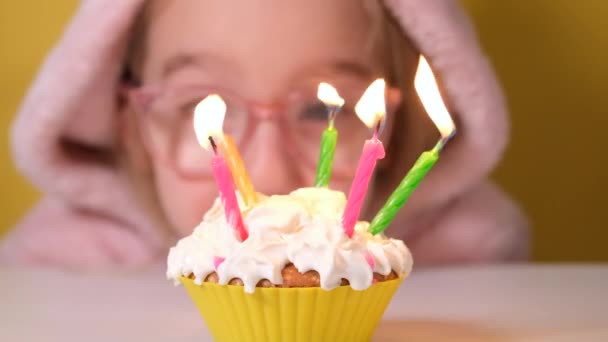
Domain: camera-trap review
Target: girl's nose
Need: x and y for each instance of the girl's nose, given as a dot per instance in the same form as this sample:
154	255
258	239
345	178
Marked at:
271	167
266	111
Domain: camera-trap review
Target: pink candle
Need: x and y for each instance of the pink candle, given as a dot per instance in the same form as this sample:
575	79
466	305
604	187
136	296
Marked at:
228	196
208	120
372	151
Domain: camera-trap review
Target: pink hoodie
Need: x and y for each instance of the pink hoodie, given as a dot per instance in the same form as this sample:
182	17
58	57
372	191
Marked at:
89	218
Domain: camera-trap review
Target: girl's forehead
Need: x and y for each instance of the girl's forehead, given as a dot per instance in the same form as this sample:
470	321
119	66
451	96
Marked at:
258	38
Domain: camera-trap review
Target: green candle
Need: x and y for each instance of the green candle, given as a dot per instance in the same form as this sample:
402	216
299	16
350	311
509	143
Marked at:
405	189
326	155
332	100
429	95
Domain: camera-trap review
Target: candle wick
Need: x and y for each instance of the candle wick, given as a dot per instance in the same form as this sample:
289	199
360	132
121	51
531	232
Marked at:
333	112
439	146
213	145
332	118
443	141
452	134
377	129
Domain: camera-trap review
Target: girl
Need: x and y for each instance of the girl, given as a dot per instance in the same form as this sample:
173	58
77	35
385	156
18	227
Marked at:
106	130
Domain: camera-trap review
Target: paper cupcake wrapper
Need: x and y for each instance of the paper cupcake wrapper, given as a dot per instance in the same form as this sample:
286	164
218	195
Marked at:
291	314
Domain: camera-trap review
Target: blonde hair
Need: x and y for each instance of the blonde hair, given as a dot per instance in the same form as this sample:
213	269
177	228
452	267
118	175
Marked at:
398	57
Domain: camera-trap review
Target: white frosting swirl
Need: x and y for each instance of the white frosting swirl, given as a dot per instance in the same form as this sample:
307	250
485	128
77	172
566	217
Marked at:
303	228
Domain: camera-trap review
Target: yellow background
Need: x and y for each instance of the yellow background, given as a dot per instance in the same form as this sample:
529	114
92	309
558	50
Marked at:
552	58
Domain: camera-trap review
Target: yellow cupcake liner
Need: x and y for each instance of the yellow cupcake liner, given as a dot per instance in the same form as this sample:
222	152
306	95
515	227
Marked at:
291	314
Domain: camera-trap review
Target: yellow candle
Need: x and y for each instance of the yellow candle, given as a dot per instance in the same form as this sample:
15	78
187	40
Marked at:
237	167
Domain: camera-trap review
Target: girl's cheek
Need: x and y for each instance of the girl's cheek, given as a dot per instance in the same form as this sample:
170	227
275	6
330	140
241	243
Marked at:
184	201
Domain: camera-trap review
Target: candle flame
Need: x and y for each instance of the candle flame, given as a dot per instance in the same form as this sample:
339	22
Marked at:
371	108
329	95
426	87
208	119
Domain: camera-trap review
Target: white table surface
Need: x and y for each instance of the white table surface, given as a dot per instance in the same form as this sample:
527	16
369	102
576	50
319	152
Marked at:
492	303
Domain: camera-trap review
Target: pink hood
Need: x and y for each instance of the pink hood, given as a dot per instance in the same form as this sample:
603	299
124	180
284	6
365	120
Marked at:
74	97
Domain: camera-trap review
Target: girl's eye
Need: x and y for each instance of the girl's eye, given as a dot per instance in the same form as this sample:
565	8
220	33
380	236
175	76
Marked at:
314	111
187	109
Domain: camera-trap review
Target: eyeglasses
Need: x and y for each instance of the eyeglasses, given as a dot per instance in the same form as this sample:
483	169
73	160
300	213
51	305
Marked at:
166	118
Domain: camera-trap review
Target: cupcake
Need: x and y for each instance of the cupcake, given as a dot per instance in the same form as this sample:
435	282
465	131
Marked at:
297	276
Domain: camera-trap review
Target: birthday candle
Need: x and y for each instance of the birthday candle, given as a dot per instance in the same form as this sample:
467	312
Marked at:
231	206
427	90
208	120
398	198
329	96
372	151
326	156
371	110
237	168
